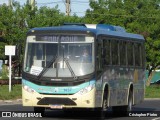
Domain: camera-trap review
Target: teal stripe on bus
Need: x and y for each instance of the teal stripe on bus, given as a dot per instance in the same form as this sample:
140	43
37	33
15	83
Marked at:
57	90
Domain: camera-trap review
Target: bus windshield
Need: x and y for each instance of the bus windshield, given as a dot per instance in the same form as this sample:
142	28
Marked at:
59	55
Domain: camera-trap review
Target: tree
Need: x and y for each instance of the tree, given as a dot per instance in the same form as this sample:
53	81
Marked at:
138	16
16	21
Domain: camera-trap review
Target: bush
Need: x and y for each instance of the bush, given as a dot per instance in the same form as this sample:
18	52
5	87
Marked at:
4	72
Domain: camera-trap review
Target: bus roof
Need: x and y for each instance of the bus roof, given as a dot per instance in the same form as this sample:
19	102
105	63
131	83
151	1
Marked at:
98	29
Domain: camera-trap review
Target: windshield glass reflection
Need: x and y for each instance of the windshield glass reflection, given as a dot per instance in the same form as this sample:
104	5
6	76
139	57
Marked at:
59	59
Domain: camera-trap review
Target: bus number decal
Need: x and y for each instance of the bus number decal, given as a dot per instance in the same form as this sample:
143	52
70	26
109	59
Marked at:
66	90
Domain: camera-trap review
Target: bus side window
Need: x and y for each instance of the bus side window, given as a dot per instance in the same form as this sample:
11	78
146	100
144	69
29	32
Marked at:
99	56
137	51
122	47
106	49
114	52
130	53
143	55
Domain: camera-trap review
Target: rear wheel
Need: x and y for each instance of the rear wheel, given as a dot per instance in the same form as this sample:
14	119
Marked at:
128	108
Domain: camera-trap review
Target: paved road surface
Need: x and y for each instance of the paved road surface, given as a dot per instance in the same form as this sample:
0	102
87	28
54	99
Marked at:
151	107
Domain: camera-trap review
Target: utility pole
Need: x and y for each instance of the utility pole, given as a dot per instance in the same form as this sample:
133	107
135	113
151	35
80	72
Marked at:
10	3
32	3
68	8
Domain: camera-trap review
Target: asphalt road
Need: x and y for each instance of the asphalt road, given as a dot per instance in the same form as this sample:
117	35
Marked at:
147	108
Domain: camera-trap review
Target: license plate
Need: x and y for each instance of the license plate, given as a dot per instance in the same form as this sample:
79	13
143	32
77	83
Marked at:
56	106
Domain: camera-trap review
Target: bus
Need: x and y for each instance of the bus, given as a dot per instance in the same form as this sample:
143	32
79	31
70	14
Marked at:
83	66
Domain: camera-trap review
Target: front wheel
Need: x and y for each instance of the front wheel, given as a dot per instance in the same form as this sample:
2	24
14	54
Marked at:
104	107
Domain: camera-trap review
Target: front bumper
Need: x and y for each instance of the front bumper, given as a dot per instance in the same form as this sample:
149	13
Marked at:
76	100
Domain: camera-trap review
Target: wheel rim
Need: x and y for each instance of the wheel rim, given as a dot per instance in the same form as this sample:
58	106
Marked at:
104	108
104	105
130	104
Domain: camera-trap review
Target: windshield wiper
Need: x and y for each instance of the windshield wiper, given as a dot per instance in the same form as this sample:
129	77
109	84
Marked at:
53	60
70	68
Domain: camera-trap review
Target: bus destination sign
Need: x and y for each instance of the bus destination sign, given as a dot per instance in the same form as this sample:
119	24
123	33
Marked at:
61	38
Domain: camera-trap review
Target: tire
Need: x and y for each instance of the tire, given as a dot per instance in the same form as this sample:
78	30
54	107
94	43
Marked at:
130	102
104	107
39	110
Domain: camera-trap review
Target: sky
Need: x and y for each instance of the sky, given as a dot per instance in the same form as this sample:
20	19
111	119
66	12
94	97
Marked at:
77	6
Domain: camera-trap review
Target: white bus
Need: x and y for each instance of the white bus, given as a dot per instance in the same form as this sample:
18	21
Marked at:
83	66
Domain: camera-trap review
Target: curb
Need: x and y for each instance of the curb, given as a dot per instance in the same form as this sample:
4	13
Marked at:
151	98
10	102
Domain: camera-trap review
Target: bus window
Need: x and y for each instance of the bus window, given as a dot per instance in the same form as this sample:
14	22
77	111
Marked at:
39	52
99	57
143	55
107	52
122	47
114	49
130	53
137	51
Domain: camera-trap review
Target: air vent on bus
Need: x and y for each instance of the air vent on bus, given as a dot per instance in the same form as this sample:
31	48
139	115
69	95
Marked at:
74	24
98	26
110	28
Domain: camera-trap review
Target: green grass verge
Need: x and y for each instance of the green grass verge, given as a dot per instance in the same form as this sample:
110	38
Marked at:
16	92
152	91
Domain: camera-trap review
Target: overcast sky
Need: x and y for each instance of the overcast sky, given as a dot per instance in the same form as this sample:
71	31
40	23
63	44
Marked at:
77	6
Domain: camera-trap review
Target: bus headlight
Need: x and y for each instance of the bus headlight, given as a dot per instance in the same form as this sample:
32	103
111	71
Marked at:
86	89
28	89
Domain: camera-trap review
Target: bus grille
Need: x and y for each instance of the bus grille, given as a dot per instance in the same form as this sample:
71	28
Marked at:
60	101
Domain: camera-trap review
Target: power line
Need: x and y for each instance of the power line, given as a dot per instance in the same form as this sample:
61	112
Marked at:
113	15
64	2
80	2
68	4
75	2
50	2
125	16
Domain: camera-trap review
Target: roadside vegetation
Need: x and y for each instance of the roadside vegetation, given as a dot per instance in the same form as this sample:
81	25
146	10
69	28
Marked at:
16	92
4	73
152	91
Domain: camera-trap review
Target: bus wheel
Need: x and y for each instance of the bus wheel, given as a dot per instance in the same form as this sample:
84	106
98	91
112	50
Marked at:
130	103
104	107
40	110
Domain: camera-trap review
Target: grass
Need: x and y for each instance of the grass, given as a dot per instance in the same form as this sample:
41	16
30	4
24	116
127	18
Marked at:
16	92
152	91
